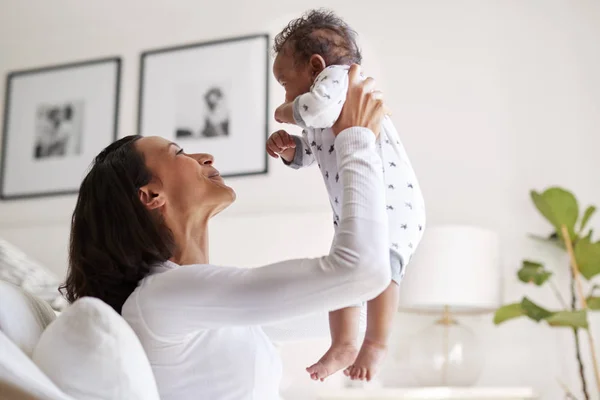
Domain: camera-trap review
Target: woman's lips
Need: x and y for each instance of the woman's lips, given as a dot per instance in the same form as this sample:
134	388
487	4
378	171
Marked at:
216	176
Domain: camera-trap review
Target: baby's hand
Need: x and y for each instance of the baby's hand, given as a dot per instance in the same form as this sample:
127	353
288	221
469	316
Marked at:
284	114
281	144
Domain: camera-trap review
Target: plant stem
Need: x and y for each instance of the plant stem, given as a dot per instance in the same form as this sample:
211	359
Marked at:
574	268
577	279
568	394
586	395
558	295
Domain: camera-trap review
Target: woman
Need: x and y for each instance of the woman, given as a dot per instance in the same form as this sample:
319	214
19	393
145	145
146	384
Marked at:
139	242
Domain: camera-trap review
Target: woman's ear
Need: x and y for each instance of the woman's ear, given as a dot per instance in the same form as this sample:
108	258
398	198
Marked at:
317	64
151	198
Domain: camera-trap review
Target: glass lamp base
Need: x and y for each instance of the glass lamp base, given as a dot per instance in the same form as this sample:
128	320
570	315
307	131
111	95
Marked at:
446	354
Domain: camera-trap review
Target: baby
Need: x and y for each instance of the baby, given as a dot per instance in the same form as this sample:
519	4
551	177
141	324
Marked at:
313	54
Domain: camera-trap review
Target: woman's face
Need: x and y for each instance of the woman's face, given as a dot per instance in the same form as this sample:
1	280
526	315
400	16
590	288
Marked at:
185	183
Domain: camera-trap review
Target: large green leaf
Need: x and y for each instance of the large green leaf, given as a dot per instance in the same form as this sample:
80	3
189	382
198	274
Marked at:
593	303
586	217
573	319
533	272
507	312
559	207
534	311
587	255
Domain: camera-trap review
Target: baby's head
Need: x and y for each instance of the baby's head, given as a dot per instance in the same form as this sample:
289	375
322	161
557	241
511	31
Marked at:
308	45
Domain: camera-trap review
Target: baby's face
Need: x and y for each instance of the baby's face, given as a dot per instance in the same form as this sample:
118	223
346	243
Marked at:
296	78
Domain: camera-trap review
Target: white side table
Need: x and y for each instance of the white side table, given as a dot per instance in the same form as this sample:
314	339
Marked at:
441	393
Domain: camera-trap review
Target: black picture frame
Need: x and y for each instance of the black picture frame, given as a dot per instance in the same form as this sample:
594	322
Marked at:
11	77
147	54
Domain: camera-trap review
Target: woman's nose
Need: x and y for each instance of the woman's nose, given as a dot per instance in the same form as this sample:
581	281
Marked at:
205	159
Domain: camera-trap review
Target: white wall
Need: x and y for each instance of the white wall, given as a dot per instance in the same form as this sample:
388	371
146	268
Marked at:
493	98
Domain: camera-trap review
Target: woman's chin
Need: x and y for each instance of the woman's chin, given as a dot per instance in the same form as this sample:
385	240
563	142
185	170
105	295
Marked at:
232	194
226	202
229	196
228	189
222	194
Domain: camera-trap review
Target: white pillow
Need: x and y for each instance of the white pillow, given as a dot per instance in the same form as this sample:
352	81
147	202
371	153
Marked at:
18	268
23	317
21	379
90	352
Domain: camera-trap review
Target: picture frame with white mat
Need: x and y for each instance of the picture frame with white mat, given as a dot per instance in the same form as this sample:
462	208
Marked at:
200	96
56	119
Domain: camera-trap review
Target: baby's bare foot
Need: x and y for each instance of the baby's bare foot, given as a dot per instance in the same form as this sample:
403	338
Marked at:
366	365
337	357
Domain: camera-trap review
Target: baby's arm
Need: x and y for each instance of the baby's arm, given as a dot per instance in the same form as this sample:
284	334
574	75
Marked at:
284	114
293	150
303	157
321	107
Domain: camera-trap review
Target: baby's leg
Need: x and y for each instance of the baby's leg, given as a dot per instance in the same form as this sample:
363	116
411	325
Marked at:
405	210
343	325
380	318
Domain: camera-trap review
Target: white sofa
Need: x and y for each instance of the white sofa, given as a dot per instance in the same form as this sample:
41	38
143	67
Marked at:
85	352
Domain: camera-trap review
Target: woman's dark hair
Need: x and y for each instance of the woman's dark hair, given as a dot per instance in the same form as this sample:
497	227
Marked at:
320	32
115	239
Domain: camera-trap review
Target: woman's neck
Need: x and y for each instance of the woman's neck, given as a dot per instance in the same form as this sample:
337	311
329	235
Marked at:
191	240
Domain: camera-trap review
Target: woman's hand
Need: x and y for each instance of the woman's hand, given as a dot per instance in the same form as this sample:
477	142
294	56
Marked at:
364	105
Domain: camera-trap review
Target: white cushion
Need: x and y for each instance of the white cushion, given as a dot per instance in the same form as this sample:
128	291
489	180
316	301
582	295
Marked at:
18	268
90	352
23	317
21	379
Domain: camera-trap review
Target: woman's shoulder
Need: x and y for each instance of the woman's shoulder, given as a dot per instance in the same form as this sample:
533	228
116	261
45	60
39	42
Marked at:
169	276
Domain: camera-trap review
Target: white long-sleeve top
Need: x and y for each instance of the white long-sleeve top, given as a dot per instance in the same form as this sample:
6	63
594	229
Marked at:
205	327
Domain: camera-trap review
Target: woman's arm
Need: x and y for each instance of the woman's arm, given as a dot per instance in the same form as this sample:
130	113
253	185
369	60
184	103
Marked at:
356	269
313	326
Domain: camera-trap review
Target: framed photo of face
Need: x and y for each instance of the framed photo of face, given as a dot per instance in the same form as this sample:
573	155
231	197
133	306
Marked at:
56	120
211	98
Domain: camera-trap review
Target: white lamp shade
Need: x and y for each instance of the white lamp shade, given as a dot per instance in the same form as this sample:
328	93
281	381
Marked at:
454	266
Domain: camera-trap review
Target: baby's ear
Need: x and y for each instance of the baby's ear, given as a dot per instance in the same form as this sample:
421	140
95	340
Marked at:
317	64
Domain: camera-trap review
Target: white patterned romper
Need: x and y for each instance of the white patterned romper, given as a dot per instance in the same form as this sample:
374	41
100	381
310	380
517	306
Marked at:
316	111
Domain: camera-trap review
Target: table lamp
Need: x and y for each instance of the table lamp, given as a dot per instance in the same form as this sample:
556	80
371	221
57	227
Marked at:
455	271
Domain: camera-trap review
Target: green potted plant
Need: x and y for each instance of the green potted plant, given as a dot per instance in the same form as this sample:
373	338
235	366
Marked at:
570	233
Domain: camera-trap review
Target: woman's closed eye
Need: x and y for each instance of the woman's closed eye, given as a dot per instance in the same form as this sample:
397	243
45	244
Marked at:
180	151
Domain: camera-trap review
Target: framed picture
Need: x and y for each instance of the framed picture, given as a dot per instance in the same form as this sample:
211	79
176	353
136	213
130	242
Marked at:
56	120
210	98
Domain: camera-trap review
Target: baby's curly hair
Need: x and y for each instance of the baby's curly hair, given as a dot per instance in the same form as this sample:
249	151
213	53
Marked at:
319	32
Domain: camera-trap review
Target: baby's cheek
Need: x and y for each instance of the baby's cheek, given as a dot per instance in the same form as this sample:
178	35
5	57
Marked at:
291	93
301	85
